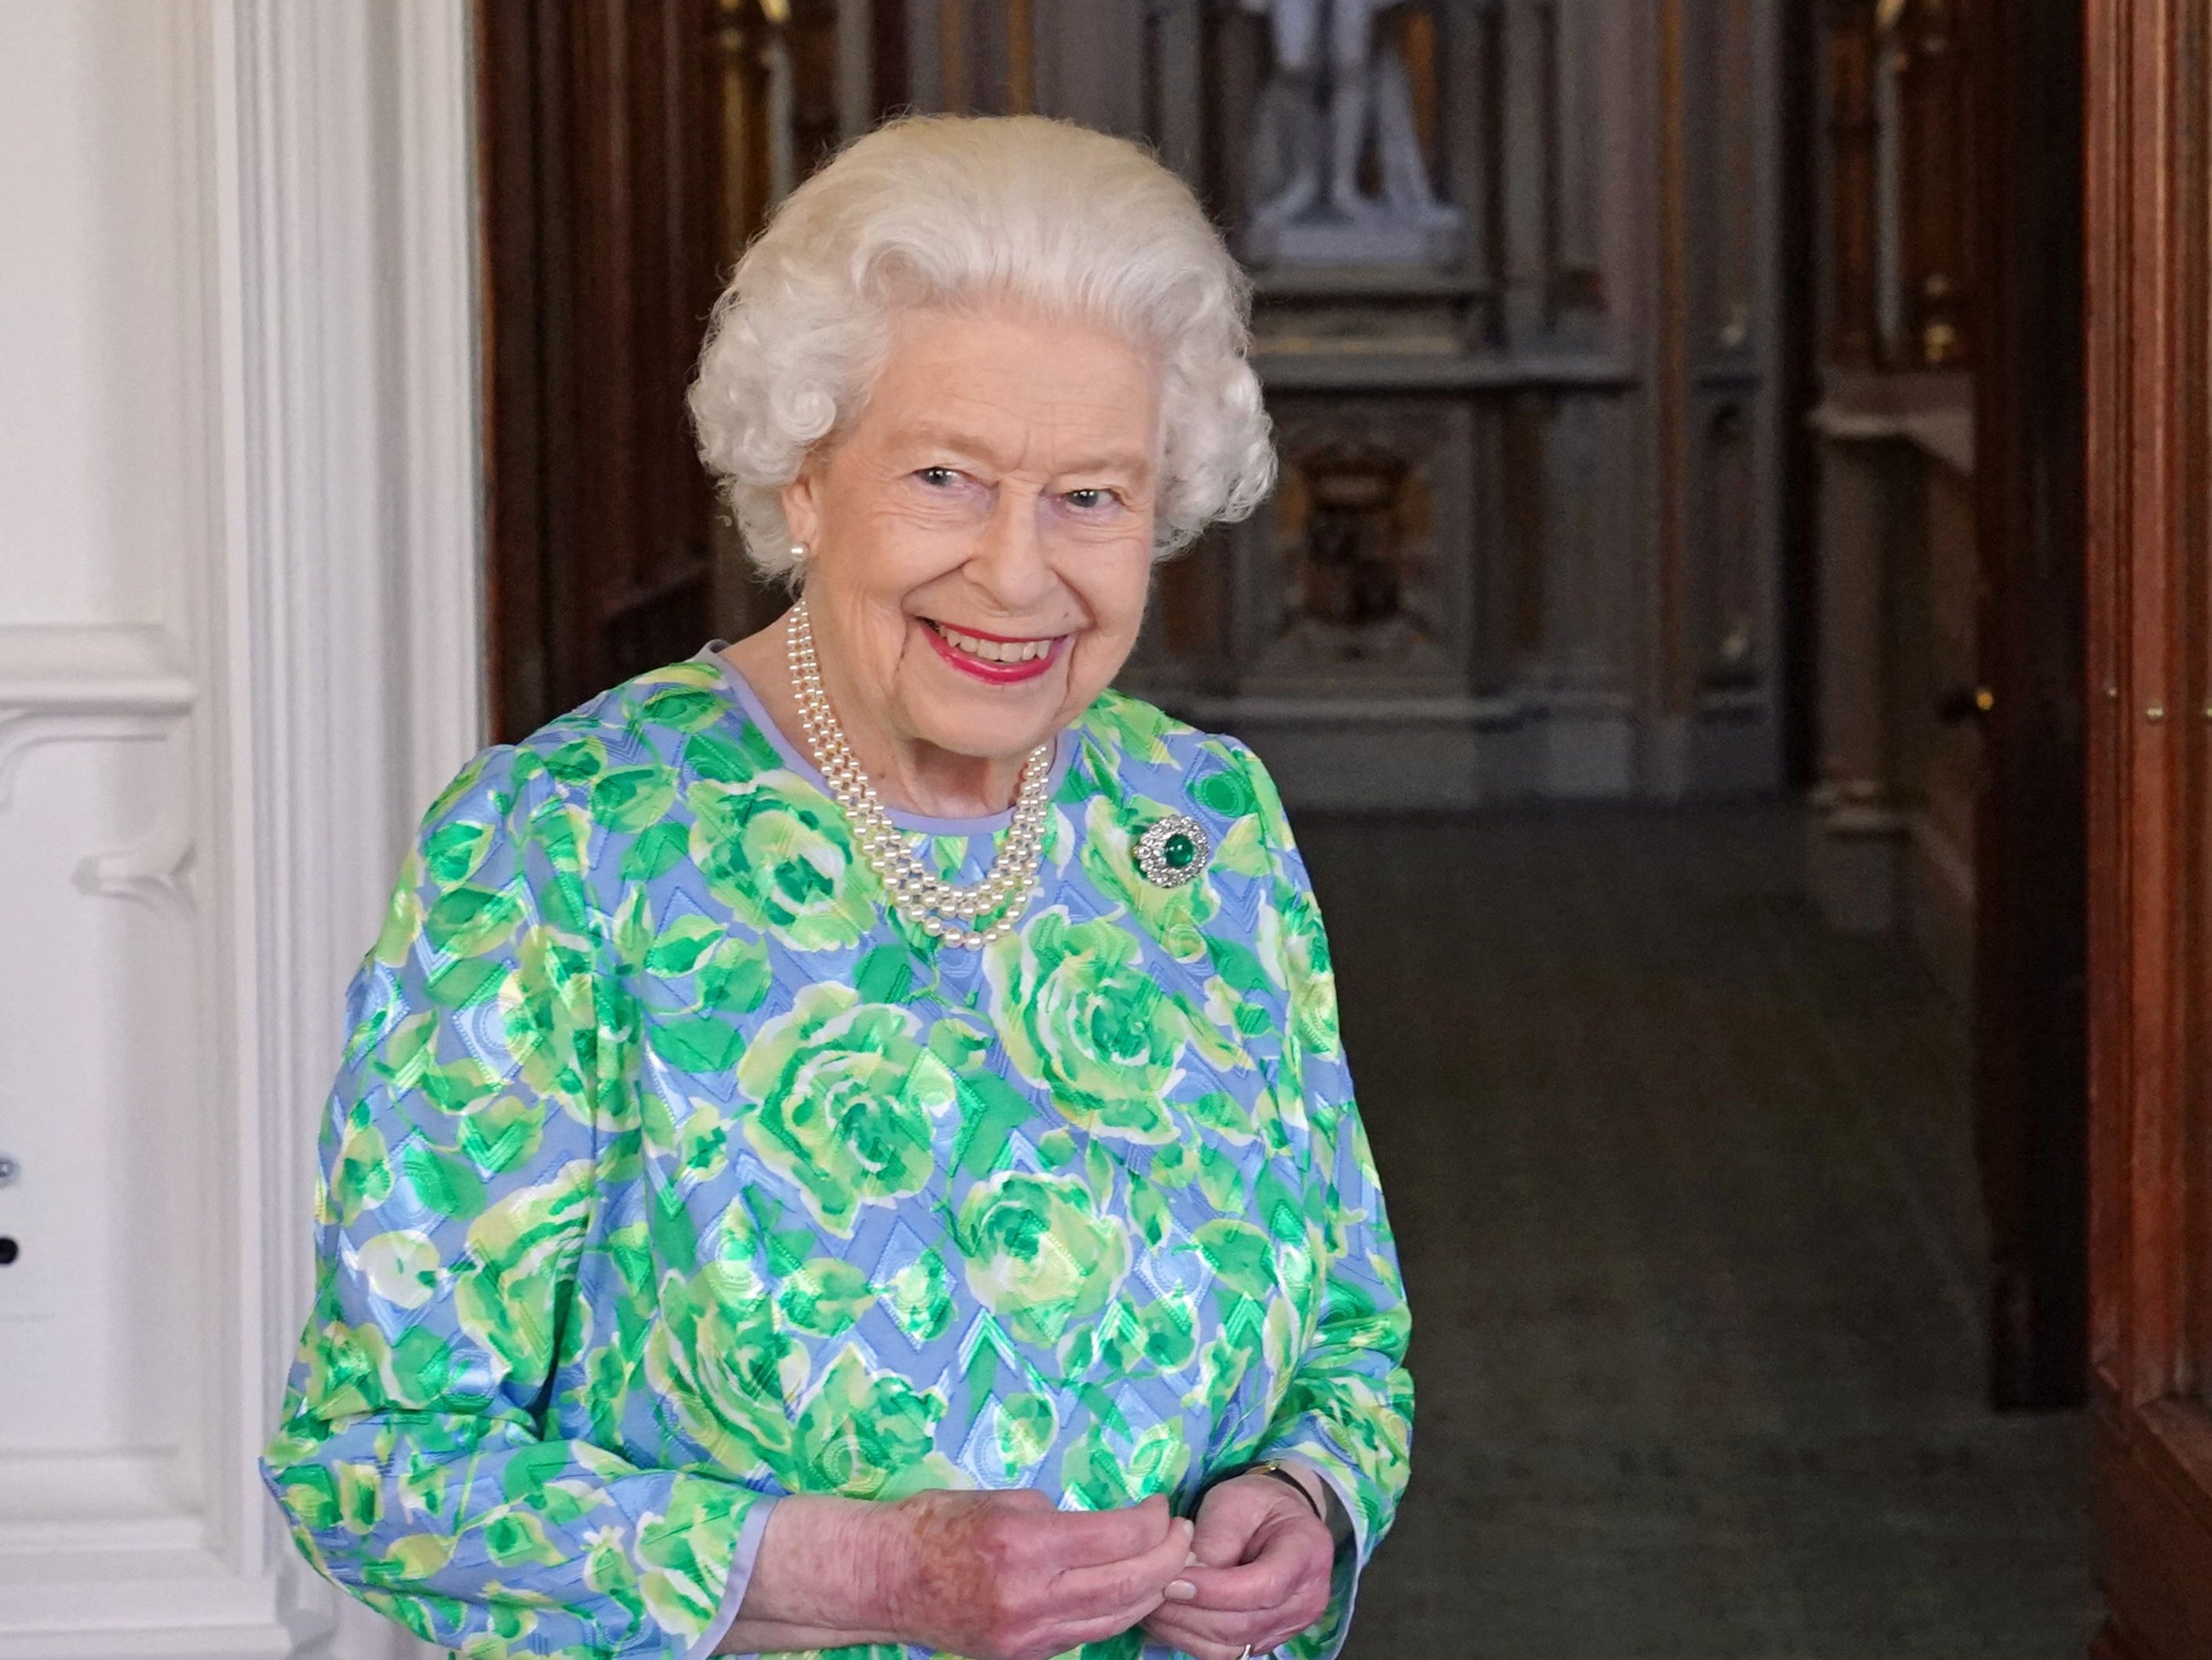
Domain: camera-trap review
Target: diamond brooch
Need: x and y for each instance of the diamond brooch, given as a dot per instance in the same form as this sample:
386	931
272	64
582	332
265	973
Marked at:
1174	851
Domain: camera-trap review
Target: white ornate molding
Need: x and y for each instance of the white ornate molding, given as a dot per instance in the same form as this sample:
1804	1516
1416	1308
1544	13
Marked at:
155	872
349	671
65	666
323	680
62	683
441	548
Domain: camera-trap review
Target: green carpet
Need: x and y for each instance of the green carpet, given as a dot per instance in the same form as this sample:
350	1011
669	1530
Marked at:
1684	1194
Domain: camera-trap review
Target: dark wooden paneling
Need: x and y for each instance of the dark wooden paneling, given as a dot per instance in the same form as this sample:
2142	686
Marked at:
2030	996
600	137
2149	446
513	367
2155	1521
1798	321
1854	334
887	56
1926	49
1937	42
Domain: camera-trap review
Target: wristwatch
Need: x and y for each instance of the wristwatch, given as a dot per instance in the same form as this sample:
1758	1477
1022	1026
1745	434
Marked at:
1332	1516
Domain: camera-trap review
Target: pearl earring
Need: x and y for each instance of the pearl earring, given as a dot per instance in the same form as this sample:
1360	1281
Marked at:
798	552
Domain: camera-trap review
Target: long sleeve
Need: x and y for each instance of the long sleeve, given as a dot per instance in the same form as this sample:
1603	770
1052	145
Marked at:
1348	1409
471	1138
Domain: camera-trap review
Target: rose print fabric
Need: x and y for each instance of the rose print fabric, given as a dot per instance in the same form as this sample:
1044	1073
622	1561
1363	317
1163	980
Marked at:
668	1171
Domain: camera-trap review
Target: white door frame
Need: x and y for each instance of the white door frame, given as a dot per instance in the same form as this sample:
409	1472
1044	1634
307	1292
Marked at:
321	677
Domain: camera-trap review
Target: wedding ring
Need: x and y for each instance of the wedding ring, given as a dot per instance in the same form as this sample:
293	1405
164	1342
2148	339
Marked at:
1246	1655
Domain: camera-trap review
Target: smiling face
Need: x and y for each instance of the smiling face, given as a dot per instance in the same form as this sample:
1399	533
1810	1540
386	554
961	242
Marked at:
979	539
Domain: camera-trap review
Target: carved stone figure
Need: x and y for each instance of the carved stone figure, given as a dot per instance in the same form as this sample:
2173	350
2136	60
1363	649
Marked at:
1336	88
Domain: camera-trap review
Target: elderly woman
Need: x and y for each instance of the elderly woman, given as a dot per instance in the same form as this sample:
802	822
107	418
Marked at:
843	1140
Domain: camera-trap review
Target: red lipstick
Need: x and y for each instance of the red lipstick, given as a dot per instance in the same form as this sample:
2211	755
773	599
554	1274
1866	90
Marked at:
981	669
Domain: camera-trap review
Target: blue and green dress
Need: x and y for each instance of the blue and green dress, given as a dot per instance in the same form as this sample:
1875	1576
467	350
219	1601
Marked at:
670	1171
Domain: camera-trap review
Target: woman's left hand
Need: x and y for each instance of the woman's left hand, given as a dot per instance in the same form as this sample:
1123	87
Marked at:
1260	1576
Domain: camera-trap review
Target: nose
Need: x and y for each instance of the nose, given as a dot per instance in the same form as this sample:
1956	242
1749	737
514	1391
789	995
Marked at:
1008	563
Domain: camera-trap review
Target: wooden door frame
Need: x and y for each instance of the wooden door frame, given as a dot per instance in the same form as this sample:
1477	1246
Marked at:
600	149
2149	274
2030	999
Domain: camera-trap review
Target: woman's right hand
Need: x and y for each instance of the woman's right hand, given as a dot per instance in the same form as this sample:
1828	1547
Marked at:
1005	1576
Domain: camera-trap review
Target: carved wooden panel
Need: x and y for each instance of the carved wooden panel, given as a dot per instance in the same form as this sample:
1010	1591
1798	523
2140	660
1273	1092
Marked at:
1731	603
1558	116
1938	142
1720	403
1575	113
1526	482
1725	149
1901	144
1473	138
1356	575
1853	132
1511	631
1596	620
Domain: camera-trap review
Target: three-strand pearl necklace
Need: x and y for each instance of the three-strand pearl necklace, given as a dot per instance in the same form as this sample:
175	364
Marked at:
969	916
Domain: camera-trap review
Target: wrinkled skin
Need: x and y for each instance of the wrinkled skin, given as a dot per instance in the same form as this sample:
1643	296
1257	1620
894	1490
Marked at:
995	1575
1005	1576
1000	478
1262	1573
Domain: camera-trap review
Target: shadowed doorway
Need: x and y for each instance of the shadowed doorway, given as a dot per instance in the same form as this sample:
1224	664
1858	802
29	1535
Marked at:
1668	636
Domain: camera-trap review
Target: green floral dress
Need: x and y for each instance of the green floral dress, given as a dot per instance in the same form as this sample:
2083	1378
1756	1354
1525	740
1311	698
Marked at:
668	1171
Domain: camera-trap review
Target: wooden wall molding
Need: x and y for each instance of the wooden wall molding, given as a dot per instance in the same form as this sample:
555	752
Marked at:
2146	450
2150	693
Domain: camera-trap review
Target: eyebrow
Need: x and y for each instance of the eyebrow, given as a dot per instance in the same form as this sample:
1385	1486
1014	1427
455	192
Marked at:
960	445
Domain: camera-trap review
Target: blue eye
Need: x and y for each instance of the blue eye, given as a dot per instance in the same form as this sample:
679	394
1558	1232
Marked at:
938	478
1087	501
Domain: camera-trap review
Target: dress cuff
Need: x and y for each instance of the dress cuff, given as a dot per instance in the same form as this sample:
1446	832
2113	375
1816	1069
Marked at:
741	1578
1343	1493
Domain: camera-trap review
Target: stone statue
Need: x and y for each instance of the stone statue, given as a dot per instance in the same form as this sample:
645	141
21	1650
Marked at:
1315	123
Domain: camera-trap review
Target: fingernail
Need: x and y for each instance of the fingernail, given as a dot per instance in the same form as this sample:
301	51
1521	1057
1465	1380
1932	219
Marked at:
1191	1561
1180	1590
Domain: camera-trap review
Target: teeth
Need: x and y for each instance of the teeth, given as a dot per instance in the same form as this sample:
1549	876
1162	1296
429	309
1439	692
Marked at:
995	651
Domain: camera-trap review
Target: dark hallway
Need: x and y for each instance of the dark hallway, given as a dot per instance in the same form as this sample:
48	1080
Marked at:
1683	1186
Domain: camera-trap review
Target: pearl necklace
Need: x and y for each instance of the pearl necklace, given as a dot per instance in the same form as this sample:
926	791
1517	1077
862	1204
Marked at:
969	916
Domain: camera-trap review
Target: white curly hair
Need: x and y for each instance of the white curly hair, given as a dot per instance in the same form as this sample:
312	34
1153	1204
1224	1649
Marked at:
953	210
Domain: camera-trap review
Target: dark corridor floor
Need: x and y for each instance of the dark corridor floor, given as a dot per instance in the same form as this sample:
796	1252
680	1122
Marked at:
1682	1185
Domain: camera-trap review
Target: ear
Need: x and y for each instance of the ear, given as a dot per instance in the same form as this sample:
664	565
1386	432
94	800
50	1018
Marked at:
802	504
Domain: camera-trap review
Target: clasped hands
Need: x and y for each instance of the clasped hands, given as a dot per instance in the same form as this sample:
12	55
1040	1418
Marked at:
1008	1576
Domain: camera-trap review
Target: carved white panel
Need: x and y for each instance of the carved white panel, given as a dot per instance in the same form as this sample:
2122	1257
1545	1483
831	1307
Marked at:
238	628
91	717
95	131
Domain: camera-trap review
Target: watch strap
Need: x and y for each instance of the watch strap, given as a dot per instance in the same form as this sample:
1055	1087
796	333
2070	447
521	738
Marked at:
1333	1515
1270	1467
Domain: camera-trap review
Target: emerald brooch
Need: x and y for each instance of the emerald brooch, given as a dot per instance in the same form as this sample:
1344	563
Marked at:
1174	851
